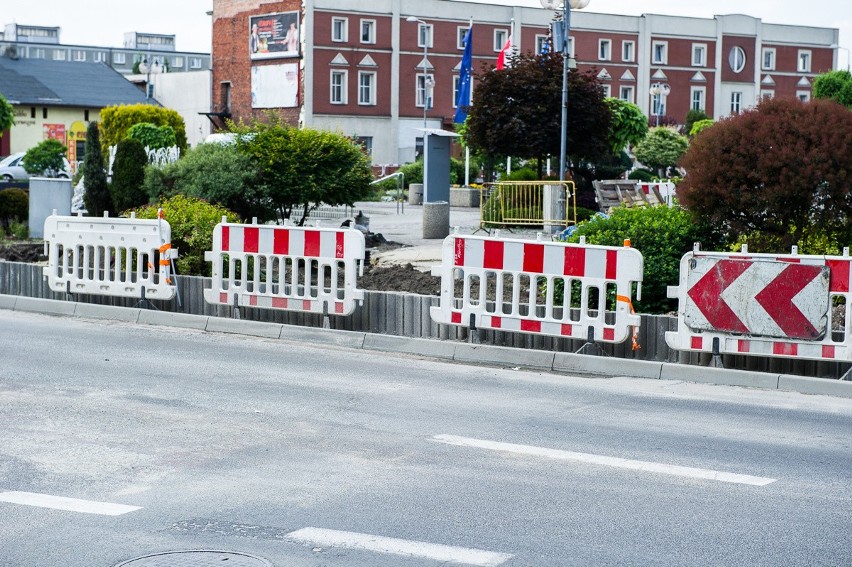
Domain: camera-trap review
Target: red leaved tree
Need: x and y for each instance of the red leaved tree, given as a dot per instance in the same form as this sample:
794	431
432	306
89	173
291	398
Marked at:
780	173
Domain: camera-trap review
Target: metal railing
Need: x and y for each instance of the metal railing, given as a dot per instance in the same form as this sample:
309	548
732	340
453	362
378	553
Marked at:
527	203
400	185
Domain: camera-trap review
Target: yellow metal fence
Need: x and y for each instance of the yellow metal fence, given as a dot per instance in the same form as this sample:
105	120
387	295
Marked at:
527	203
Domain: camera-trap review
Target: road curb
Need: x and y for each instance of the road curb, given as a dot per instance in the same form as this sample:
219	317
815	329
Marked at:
446	350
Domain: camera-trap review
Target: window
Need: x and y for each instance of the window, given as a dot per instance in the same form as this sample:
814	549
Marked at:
195	63
226	97
737	59
460	33
366	143
697	97
542	44
340	29
59	55
177	62
368	31
767	94
626	93
604	49
367	87
658	105
607	90
804	61
699	54
768	62
78	55
736	102
803	96
424	35
44	112
628	50
424	90
99	57
118	58
456	83
500	37
660	53
338	87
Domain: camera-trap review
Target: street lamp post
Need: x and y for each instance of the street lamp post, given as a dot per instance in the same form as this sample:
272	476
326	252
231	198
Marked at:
564	29
428	82
659	92
148	68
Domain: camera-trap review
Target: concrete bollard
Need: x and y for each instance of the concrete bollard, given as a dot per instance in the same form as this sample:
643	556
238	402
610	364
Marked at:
415	194
436	220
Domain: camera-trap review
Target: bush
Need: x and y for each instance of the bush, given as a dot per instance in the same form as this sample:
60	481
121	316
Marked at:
128	175
662	234
692	117
217	173
152	136
700	126
117	120
14	206
661	149
642	175
19	230
192	221
523	174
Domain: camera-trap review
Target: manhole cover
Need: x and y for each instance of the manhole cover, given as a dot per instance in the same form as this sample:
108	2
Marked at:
197	558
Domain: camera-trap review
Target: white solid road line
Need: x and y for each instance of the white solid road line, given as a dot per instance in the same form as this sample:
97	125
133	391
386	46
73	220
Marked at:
67	504
646	466
380	544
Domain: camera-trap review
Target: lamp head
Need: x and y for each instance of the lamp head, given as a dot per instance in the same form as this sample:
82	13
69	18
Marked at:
412	19
557	4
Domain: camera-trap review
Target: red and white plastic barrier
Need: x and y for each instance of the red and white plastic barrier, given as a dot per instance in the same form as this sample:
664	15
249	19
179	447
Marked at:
291	268
109	256
786	305
665	189
522	276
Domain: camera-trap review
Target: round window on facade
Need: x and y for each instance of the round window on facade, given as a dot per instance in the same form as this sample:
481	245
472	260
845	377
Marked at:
737	59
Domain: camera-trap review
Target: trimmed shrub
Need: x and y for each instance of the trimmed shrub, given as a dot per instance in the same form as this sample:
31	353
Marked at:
45	158
117	120
522	174
192	221
642	175
152	136
128	175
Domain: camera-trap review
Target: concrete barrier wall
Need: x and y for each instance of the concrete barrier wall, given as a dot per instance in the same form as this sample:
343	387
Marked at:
407	315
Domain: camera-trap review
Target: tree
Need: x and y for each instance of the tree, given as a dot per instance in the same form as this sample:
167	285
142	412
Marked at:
45	158
217	173
628	126
780	173
152	136
692	117
661	149
834	85
117	120
304	168
517	111
128	175
700	126
97	197
7	115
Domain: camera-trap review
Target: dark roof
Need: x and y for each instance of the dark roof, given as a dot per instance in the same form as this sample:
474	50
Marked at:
65	83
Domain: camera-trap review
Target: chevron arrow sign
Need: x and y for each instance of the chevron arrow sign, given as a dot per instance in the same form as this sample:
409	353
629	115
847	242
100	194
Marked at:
761	298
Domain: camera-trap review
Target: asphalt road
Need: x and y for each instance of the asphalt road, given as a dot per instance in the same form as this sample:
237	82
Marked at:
120	440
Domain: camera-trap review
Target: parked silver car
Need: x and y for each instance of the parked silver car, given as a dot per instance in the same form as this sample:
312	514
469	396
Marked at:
12	167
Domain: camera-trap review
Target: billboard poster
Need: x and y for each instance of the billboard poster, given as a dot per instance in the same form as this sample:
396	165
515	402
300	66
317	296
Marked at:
274	35
54	132
275	86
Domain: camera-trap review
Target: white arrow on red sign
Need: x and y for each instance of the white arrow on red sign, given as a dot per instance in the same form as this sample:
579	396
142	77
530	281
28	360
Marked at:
757	297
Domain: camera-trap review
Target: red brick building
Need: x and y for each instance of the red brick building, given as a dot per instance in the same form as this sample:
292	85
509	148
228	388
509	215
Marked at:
359	67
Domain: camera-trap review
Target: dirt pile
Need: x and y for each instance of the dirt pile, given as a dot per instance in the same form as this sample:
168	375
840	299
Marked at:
22	252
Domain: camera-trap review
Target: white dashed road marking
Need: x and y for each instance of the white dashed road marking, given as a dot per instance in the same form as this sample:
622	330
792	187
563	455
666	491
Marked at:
67	504
380	544
591	459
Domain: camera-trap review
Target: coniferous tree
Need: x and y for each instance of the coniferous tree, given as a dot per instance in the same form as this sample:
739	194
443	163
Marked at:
97	197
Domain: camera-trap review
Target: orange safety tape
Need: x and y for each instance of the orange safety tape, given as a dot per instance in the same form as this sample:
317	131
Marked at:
626	300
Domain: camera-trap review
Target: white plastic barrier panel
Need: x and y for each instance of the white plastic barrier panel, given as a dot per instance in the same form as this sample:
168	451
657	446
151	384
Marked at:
787	305
291	268
513	285
666	190
109	256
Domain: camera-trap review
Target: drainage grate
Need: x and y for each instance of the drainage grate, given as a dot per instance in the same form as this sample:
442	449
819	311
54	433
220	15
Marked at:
197	558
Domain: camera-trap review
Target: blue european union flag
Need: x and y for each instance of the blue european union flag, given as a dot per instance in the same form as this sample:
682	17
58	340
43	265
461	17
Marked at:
463	100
